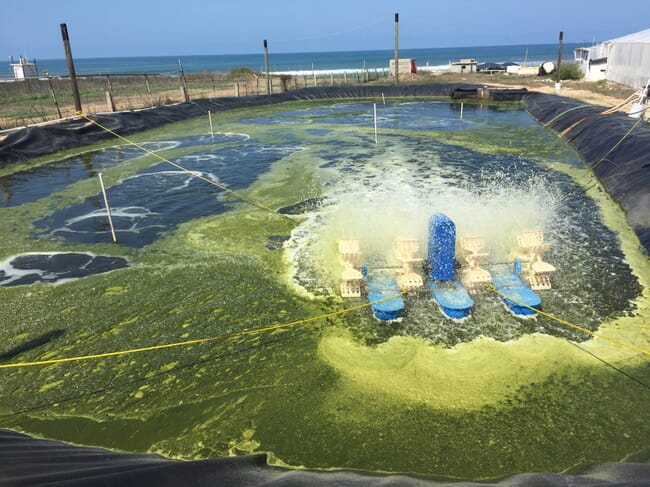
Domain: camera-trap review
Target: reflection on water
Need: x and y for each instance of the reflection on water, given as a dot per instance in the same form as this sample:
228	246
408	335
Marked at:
155	200
39	182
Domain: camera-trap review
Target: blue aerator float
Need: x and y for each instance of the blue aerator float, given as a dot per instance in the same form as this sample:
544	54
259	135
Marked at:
451	296
385	283
381	286
514	292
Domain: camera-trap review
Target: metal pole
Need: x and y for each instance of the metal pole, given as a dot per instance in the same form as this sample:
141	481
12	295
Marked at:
396	48
73	75
210	118
559	62
108	208
269	87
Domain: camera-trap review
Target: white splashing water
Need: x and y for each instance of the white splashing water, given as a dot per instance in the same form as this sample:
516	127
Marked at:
391	196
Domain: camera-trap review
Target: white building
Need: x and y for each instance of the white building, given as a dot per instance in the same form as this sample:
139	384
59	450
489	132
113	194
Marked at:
625	60
24	69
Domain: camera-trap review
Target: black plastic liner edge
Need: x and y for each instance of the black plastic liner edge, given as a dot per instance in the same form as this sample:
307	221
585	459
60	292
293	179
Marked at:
35	141
29	461
616	147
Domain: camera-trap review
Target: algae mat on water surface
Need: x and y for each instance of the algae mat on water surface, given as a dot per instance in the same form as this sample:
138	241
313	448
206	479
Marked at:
487	397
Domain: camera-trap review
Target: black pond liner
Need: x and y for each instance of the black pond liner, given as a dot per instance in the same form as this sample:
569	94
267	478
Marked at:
621	163
29	461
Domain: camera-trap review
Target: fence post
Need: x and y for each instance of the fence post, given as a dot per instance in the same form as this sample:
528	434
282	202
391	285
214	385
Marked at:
559	62
269	83
53	94
73	75
146	82
184	93
109	95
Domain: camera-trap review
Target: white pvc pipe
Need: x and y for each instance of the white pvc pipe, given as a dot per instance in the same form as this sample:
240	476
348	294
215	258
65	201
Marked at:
210	118
108	208
374	106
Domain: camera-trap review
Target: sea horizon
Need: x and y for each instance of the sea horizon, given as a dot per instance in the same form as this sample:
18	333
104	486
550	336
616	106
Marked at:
302	63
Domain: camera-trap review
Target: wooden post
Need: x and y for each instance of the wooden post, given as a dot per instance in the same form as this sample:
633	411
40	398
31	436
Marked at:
269	86
109	94
184	92
108	208
109	101
237	89
345	78
396	48
559	63
53	94
146	83
331	79
73	75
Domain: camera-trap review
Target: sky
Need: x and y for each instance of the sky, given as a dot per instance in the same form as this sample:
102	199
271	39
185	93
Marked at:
118	28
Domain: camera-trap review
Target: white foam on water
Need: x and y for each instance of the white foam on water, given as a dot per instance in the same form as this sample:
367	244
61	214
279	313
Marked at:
16	273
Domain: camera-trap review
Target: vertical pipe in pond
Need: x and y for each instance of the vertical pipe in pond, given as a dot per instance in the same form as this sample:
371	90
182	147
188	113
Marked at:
461	111
210	118
108	208
374	106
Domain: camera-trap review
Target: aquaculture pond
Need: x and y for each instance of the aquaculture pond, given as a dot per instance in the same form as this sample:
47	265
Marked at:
252	245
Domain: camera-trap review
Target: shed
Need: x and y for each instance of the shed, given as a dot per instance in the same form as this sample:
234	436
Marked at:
24	69
463	66
405	65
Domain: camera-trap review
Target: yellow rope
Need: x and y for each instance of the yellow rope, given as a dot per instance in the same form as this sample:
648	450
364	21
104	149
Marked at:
198	340
571	325
184	169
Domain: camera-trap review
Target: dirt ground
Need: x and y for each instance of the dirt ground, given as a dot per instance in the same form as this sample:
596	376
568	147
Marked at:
605	93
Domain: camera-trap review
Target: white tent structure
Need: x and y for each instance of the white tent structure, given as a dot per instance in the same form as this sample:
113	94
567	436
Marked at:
627	59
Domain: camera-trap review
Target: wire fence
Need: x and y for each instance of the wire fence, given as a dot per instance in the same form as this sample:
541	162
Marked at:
37	100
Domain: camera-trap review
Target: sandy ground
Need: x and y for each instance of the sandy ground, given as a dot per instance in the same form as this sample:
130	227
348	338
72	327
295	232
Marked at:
608	94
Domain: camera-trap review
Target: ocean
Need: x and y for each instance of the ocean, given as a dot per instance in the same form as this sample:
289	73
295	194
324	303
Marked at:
433	59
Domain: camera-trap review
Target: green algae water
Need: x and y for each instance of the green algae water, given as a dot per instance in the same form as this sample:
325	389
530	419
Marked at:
487	397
